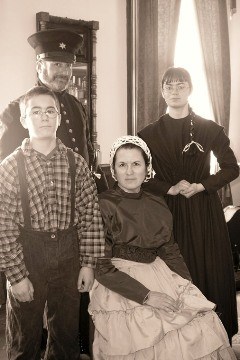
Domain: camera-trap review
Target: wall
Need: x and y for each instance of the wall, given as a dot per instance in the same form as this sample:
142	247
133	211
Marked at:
234	131
17	61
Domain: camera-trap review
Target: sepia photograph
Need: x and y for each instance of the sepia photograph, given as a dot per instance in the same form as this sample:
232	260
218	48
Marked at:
119	180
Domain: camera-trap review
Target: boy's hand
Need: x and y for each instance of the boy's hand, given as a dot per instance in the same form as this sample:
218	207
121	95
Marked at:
23	291
85	279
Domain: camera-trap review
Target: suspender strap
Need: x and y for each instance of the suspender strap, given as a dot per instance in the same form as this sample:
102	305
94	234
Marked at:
23	189
72	167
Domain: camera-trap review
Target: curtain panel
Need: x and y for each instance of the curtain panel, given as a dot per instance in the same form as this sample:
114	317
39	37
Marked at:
152	29
212	15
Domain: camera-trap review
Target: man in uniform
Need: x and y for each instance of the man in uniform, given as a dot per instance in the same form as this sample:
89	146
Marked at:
55	50
55	54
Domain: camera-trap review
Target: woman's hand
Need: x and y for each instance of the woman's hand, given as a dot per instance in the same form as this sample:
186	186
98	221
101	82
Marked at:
192	189
178	188
161	301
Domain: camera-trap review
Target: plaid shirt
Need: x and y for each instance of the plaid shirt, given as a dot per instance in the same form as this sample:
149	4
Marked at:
49	185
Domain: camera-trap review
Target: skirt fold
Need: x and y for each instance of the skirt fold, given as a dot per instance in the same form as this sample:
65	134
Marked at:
127	330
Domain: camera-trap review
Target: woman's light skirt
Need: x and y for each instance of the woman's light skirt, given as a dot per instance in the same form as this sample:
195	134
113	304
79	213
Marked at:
126	330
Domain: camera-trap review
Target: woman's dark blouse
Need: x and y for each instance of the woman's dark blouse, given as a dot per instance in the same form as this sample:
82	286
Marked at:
167	138
138	227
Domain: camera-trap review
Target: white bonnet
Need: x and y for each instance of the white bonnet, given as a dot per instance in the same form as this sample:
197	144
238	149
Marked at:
130	139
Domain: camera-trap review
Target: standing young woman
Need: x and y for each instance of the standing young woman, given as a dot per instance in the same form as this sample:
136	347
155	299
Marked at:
143	303
180	143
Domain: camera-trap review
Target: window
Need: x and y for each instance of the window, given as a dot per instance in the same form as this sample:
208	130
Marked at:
188	54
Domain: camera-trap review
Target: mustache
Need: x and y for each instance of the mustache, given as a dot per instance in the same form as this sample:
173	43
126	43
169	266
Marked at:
61	77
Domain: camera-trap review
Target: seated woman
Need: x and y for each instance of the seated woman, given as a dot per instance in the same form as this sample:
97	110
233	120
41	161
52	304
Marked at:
143	303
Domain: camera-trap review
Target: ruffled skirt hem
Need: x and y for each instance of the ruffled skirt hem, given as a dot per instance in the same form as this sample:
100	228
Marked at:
127	330
162	351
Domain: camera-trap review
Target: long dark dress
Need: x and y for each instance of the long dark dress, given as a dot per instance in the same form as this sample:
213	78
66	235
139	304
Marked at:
199	225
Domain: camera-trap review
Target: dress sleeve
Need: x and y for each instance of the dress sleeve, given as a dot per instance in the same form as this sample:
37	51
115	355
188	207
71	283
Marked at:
229	169
110	277
170	253
156	186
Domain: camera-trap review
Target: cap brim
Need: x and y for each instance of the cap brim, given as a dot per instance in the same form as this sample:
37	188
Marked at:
68	58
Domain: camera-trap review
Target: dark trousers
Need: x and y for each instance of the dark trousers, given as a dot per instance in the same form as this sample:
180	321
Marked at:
84	340
86	331
53	263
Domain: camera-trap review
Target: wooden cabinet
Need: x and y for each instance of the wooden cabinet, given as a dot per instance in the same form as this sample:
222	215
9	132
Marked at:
84	80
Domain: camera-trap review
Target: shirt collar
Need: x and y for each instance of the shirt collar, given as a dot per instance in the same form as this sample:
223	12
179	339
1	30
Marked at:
28	149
